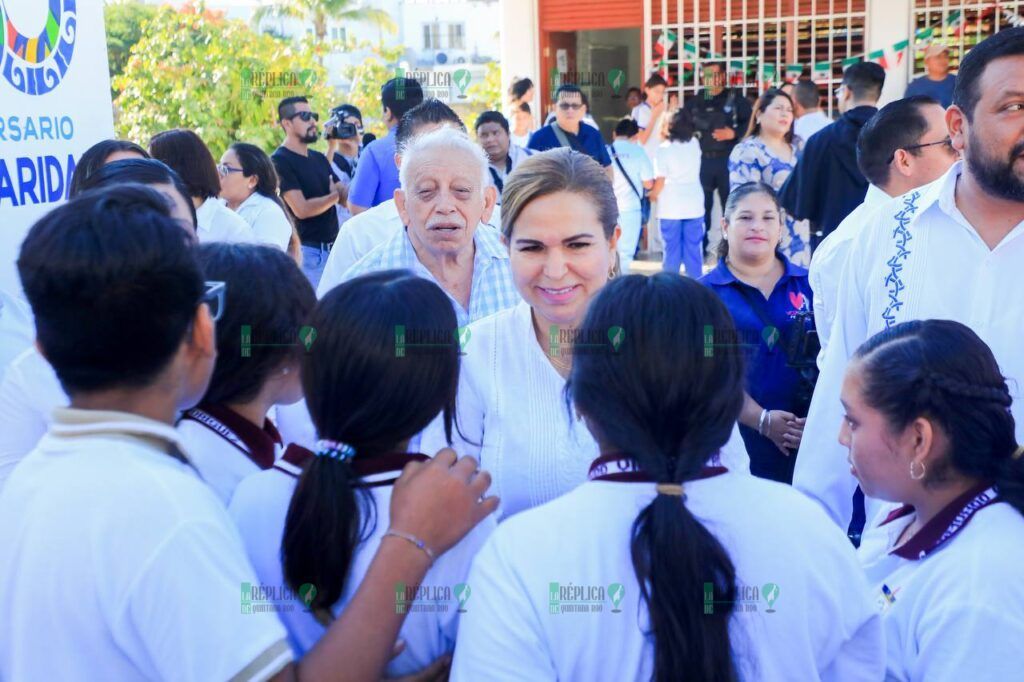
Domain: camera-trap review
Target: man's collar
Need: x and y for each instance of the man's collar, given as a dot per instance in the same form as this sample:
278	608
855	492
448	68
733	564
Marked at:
70	422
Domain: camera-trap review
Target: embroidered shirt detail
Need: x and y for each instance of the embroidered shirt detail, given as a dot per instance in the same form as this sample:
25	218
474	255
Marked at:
901	236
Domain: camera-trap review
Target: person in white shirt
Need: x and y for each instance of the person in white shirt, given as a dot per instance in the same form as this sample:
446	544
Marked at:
324	527
904	146
16	332
949	250
187	154
680	197
249	186
110	488
648	115
927	426
29	390
560	228
492	133
520	120
634	174
262	333
807	107
367	230
651	570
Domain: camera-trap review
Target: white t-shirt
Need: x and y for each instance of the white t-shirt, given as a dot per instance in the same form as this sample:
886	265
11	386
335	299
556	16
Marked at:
218	223
642	115
17	329
514	418
29	392
817	623
268	222
640	169
118	562
360	235
827	263
918	259
679	163
958	613
808	124
259	508
226	447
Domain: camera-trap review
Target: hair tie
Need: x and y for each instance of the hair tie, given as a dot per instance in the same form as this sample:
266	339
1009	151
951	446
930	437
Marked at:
1018	453
335	449
673	489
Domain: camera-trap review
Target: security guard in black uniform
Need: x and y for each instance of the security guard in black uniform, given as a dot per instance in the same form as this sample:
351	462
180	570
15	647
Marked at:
721	116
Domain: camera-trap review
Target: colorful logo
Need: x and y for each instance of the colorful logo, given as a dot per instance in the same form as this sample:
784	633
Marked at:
37	64
462	78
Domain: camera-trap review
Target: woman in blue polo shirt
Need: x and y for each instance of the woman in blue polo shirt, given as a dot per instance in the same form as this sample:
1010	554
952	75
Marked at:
769	298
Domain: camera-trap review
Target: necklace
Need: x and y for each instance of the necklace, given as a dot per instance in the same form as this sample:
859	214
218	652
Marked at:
561	365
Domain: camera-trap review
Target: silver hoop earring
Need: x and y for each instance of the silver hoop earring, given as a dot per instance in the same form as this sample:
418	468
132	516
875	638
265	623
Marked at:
915	476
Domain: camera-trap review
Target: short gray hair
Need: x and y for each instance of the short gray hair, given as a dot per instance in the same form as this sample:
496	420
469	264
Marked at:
444	139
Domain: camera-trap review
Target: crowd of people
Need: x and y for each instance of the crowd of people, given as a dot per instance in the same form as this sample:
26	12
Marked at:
400	410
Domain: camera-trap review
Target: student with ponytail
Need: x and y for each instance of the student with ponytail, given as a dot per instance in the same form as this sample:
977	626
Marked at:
384	363
685	570
928	426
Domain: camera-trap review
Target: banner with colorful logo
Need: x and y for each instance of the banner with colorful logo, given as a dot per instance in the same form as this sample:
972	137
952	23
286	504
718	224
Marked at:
55	95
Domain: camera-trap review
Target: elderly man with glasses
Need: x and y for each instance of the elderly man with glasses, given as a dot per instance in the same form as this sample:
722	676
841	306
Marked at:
567	131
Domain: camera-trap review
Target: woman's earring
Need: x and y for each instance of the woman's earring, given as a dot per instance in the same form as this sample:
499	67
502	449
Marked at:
913	472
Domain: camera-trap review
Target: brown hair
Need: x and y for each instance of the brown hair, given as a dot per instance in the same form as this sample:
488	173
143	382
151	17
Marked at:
558	170
763	102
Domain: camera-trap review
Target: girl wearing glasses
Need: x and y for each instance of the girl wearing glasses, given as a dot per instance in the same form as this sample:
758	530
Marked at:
249	185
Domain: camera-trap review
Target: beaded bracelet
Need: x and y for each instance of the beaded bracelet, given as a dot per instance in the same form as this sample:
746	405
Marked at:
413	539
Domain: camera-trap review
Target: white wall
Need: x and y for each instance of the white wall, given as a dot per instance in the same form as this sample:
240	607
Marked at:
520	46
481	20
888	23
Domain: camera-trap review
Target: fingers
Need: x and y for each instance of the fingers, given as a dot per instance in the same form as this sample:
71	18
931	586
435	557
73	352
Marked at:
465	468
445	457
486	507
479	483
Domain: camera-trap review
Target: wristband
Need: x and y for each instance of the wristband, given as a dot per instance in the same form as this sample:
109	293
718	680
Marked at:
413	539
760	422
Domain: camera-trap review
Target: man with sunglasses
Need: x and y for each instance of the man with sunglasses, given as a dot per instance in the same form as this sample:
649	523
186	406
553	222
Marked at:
308	185
566	130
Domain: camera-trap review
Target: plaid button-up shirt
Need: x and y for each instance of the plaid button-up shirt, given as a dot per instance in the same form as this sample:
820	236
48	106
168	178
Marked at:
491	290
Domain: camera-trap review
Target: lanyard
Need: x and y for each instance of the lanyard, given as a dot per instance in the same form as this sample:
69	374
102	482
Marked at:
260	449
294	460
947	523
622	468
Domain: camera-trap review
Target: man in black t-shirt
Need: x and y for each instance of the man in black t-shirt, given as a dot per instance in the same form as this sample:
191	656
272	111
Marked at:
308	186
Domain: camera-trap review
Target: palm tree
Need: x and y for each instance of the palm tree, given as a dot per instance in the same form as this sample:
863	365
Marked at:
319	12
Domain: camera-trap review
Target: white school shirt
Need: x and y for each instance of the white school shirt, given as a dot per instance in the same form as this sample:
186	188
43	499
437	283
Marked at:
827	263
259	508
226	447
682	198
29	392
918	259
118	562
635	162
822	627
958	613
642	115
514	419
808	124
17	328
267	220
360	235
215	222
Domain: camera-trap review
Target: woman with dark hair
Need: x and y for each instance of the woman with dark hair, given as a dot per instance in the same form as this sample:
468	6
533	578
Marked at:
770	299
249	185
768	154
928	427
153	173
267	302
680	197
384	363
679	580
100	154
187	154
520	96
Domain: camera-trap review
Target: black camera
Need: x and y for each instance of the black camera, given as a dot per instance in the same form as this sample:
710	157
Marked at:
336	129
802	348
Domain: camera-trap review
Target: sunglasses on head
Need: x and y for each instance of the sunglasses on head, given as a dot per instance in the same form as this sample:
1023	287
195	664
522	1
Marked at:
306	115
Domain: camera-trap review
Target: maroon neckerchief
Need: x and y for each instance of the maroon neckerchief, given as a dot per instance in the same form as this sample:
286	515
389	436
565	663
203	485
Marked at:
295	455
391	462
948	522
622	468
255	443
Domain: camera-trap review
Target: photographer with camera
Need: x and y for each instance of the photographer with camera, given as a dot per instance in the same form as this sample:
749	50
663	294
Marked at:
343	132
770	300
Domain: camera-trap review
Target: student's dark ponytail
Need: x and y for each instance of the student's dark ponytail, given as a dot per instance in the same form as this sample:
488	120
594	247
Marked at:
369	390
669	400
942	370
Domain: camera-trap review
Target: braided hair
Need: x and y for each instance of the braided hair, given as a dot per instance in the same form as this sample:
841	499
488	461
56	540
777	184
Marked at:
942	370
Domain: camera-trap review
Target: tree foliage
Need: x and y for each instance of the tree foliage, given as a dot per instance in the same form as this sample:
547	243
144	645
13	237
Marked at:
218	77
487	94
367	78
124	23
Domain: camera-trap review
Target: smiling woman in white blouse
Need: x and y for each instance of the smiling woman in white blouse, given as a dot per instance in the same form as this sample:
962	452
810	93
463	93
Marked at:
560	222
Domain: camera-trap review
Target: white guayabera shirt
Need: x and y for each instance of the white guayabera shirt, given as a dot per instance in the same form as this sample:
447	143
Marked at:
918	259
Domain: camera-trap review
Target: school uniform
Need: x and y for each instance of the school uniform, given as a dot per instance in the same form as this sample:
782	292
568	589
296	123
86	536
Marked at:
118	562
513	417
641	113
803	611
215	222
226	447
499	172
260	507
951	596
17	328
267	220
29	392
918	258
